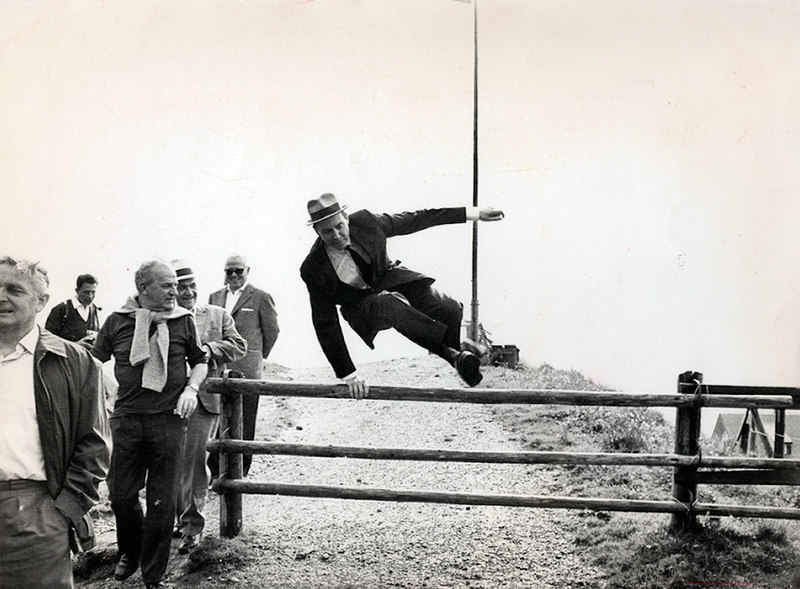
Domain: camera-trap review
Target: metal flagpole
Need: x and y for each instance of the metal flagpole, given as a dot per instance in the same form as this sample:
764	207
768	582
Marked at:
474	321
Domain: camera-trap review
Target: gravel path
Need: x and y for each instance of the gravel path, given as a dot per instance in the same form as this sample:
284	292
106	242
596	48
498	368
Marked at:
300	543
330	543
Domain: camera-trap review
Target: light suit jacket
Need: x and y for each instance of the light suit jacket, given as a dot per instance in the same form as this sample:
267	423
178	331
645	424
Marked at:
256	321
216	329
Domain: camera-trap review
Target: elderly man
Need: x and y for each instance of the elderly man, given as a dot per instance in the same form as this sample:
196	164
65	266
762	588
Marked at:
77	319
54	438
253	311
151	340
221	343
348	267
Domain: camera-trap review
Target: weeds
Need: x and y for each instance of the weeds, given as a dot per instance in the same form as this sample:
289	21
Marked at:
637	550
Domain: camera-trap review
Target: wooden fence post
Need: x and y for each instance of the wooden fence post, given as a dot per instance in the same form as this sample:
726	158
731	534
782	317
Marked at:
687	435
231	466
780	432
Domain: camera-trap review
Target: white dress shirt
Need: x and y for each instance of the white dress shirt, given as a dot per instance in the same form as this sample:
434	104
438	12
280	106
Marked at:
82	311
231	298
21	454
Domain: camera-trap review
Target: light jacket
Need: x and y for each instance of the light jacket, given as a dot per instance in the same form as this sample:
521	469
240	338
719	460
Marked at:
216	329
73	424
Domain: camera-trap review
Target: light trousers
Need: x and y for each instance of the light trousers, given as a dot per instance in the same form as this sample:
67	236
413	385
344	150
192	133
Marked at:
195	474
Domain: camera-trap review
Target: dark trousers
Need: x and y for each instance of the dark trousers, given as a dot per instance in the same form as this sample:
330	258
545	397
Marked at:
146	454
430	319
34	538
249	416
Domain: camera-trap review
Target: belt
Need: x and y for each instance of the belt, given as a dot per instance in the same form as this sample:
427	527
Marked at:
16	484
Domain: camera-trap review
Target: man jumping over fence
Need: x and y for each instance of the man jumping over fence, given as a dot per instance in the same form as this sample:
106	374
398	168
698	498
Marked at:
348	266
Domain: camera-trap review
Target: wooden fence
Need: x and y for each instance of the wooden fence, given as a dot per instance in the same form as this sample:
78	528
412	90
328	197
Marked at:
690	467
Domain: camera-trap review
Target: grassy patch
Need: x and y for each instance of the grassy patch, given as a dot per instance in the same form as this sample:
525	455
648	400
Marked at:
217	556
637	549
649	557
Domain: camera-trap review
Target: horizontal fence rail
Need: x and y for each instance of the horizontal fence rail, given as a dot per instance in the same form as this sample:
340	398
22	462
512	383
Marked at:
724	389
595	504
568	458
498	396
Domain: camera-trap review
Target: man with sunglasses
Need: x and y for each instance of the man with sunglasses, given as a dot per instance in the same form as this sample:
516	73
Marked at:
256	320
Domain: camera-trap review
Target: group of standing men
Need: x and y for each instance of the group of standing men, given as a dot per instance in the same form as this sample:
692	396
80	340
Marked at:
164	345
53	457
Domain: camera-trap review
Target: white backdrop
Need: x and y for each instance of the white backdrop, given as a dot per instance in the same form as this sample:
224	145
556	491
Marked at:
645	155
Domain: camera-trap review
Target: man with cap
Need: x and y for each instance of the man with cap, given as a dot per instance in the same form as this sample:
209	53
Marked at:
152	340
221	343
348	267
256	319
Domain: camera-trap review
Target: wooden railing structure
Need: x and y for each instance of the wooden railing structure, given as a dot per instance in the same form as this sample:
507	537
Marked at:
690	467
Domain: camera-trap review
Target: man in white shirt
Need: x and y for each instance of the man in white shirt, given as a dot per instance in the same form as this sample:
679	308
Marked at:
253	312
77	319
54	438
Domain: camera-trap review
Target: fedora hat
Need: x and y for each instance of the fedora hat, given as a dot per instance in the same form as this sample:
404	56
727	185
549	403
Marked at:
324	207
182	270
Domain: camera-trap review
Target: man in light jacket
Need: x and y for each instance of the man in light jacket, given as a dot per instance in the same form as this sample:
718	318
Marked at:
53	441
222	344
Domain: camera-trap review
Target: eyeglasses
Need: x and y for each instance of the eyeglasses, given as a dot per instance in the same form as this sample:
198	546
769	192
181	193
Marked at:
232	271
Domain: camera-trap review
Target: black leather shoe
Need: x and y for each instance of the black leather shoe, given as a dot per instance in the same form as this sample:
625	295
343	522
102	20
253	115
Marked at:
126	566
469	368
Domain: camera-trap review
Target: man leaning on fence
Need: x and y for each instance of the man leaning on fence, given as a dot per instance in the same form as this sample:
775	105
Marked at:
151	340
221	343
53	441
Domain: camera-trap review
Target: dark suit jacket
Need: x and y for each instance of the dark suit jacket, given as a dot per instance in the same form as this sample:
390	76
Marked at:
368	234
256	321
217	330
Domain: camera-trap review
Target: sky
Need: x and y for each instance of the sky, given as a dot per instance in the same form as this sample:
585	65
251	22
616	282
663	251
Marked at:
644	154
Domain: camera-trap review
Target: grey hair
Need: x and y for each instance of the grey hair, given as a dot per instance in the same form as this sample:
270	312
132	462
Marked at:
144	275
235	256
30	271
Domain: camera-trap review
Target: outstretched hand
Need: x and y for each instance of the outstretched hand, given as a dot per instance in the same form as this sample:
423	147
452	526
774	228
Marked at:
490	214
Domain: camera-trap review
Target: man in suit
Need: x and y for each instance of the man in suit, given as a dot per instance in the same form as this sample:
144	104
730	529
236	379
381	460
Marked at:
77	319
256	319
348	267
221	343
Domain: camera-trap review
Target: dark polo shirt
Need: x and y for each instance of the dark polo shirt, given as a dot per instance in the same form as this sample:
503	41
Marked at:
115	339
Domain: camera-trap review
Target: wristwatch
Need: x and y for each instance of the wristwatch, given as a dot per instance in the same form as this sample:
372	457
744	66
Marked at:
193	387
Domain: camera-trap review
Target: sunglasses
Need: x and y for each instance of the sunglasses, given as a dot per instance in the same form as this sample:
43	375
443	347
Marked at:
232	271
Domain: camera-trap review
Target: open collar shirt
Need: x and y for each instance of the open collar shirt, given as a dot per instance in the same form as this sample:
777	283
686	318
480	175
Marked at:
21	454
231	297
